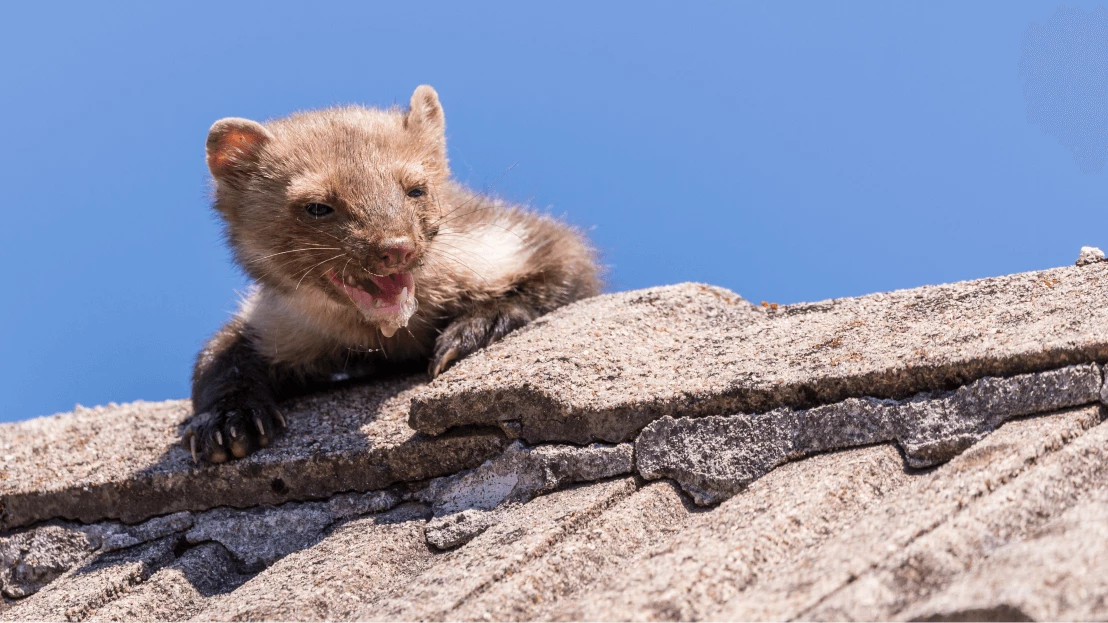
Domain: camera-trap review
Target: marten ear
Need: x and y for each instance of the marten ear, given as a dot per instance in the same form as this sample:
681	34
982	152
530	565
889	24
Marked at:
425	119
233	147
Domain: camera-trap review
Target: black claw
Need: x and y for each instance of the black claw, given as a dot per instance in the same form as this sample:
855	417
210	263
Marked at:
224	434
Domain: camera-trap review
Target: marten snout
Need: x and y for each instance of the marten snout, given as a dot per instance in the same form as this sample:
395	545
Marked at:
396	252
391	255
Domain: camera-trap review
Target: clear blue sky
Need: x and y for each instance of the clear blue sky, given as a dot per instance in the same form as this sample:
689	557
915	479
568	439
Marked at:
790	151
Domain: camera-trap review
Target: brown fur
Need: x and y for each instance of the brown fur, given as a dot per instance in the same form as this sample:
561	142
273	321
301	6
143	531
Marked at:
481	268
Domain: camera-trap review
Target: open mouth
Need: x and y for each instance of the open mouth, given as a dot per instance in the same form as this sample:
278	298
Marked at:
387	301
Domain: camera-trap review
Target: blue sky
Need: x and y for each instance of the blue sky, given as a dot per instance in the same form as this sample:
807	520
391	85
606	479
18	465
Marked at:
790	151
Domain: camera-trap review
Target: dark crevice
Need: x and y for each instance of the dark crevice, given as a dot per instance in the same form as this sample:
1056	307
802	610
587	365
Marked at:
1001	612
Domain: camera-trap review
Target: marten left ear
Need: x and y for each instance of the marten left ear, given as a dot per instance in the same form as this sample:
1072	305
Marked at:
425	118
233	147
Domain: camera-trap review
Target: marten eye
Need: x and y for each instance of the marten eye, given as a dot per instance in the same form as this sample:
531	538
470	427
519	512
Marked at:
416	193
318	209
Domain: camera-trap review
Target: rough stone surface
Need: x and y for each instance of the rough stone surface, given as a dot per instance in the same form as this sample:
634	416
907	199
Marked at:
847	534
464	504
1067	580
347	505
717	456
604	368
118	536
79	592
178	590
691	572
125	462
259	536
947	521
32	559
572	569
353	566
522	472
458	528
523	535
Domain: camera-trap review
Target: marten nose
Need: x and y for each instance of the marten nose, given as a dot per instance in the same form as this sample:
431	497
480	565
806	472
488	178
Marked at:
396	252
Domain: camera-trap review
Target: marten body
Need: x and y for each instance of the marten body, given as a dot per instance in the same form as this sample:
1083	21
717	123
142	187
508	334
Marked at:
366	258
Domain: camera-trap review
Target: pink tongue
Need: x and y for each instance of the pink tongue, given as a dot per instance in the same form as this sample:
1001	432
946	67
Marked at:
392	285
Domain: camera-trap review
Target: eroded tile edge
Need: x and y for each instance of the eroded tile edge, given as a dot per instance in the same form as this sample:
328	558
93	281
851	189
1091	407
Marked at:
715	457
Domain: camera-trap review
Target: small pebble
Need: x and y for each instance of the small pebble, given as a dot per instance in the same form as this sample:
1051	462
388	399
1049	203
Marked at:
1089	255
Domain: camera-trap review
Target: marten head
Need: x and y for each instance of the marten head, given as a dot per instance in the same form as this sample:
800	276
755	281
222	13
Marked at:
343	201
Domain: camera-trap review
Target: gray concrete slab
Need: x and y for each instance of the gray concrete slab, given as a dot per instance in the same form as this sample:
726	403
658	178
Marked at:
828	534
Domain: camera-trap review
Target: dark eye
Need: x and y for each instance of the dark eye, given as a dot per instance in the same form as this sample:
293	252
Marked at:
318	209
416	192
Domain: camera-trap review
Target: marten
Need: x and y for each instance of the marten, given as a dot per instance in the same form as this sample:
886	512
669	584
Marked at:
366	258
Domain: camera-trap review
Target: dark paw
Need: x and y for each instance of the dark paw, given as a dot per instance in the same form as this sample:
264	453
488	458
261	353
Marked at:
475	331
232	431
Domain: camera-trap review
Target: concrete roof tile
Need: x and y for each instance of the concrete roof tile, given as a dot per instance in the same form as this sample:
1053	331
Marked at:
125	461
604	368
802	427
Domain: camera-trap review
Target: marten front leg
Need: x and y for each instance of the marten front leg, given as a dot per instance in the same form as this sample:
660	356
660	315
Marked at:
234	398
479	327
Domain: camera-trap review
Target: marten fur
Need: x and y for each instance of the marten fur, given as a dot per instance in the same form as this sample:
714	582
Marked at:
345	219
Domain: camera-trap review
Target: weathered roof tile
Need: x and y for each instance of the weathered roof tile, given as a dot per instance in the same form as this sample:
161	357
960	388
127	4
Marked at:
125	461
722	392
604	368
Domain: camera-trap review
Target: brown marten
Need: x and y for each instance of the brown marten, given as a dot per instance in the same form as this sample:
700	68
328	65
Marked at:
366	258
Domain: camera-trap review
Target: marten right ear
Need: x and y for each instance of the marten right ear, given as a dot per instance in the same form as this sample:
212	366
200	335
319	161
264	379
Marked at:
426	120
233	147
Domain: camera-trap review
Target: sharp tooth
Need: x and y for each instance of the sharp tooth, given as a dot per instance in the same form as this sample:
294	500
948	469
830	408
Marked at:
378	303
408	307
349	280
404	295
